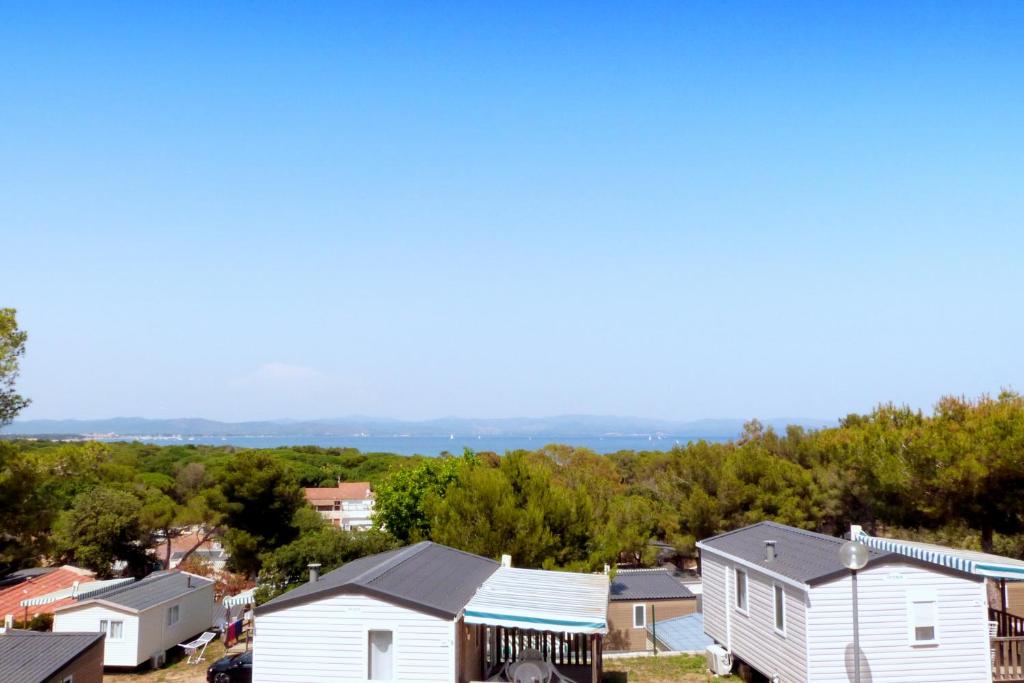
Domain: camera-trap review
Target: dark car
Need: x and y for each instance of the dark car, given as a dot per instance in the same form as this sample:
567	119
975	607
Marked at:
231	669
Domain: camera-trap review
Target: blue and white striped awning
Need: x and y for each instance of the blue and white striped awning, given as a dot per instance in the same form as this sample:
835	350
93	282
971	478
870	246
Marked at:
560	602
970	561
243	598
79	592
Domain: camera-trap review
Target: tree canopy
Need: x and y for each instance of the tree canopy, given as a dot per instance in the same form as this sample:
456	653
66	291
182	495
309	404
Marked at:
12	348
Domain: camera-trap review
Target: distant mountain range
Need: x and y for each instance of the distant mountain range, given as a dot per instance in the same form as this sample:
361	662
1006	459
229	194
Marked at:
559	426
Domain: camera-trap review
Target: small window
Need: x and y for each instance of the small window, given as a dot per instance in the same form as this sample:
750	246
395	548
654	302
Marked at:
380	656
172	615
639	616
741	590
779	598
923	622
113	629
68	679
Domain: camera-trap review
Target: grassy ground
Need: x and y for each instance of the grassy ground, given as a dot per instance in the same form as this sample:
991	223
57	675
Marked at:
658	669
176	671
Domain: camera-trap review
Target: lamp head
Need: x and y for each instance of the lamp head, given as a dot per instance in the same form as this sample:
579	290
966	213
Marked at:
853	555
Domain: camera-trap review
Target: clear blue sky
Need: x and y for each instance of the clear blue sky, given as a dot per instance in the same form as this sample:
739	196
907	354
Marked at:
677	210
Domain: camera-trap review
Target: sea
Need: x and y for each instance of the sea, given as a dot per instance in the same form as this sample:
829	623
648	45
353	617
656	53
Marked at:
429	445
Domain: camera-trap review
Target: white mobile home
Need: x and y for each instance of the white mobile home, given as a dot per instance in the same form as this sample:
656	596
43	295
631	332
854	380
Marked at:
431	614
144	618
778	599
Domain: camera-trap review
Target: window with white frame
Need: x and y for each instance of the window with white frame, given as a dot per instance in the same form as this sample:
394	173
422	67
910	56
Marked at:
113	629
779	604
68	679
741	590
172	615
924	628
380	655
640	616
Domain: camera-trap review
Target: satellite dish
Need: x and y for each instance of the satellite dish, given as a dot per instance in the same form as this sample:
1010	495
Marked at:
853	555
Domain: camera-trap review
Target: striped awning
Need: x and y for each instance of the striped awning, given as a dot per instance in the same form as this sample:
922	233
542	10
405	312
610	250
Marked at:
970	561
243	598
560	602
79	592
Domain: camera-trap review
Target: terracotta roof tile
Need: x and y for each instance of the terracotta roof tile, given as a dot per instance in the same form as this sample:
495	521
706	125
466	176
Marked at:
62	577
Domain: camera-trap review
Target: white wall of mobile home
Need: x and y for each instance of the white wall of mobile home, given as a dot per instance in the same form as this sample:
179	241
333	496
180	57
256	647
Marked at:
959	654
121	651
326	641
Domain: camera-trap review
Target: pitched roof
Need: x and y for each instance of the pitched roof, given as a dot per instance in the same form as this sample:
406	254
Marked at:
805	557
30	657
647	584
36	584
155	589
22	574
349	490
426	577
539	599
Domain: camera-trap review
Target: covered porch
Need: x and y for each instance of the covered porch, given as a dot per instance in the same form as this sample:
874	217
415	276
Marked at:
535	626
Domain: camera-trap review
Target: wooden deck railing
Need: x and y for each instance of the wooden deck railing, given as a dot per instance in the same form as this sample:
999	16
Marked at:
1008	660
506	644
1010	625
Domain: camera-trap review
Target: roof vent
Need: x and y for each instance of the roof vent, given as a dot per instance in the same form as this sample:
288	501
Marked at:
189	580
314	572
769	551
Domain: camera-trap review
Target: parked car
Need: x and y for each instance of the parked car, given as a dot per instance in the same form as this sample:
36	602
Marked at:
231	669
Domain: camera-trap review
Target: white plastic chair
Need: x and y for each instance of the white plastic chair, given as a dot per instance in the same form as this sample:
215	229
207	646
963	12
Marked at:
197	648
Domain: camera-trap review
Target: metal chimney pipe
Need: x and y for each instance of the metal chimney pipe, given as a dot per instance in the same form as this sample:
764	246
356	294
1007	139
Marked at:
314	572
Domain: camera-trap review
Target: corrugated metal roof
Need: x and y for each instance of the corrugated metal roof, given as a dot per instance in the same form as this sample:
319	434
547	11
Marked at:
564	602
803	556
647	584
427	577
681	634
156	588
29	657
80	592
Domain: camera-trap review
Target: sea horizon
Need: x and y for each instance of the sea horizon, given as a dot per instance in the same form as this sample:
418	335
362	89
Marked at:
431	446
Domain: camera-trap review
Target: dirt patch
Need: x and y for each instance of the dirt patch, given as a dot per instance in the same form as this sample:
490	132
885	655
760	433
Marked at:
656	669
176	671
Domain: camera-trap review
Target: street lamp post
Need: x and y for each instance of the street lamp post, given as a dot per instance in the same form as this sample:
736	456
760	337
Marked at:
854	555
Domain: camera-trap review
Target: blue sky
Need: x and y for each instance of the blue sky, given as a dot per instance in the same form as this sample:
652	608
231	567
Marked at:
676	210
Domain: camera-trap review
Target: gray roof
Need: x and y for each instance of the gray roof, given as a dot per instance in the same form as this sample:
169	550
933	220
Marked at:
647	584
31	657
803	556
426	577
208	554
156	588
23	574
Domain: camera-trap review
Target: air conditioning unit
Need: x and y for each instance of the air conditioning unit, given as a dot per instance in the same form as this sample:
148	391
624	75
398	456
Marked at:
158	659
719	661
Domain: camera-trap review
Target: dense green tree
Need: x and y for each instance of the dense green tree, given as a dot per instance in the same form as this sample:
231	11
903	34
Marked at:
12	347
104	526
400	498
975	460
26	513
319	542
260	497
